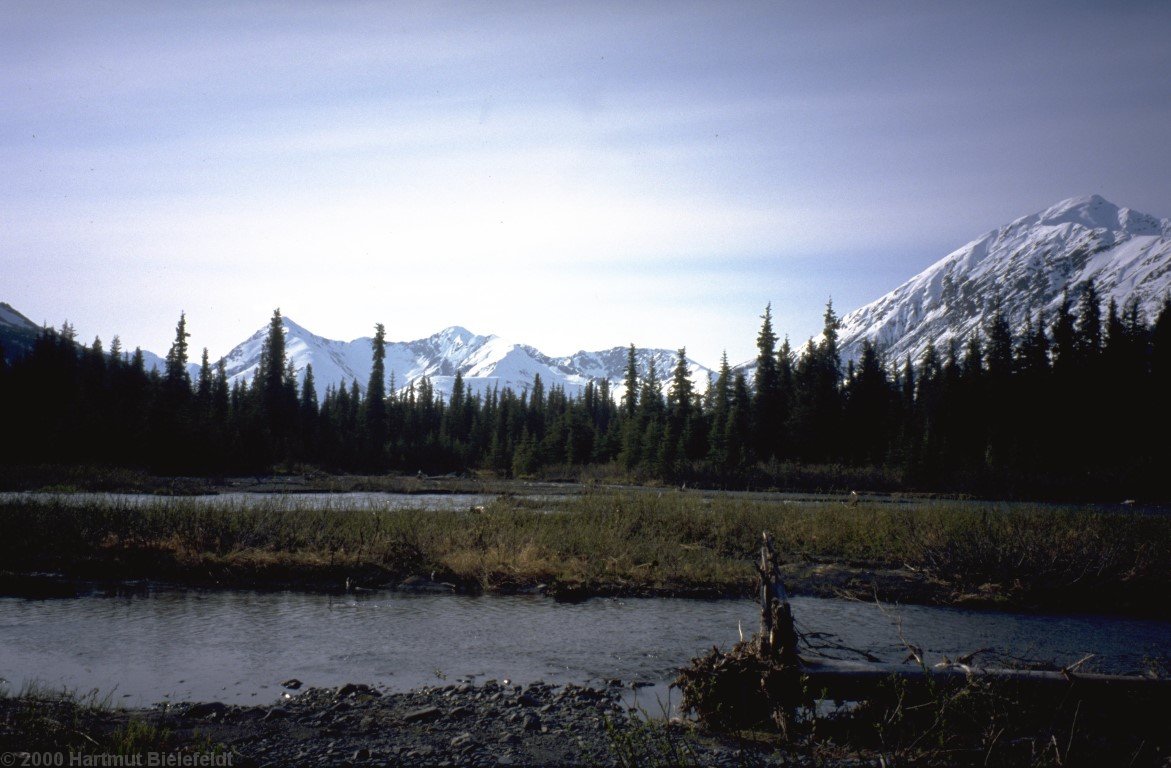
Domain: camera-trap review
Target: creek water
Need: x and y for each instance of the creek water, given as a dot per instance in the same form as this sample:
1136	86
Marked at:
238	646
351	501
553	494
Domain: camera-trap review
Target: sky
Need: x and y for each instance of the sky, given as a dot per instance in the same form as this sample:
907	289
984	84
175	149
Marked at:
577	175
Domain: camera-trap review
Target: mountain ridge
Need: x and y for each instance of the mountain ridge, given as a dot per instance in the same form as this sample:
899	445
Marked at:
18	334
1026	266
484	362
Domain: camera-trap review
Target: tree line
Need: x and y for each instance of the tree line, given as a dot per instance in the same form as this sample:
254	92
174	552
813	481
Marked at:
1070	406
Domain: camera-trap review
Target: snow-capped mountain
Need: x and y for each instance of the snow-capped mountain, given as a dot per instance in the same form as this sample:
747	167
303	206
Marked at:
485	362
1027	264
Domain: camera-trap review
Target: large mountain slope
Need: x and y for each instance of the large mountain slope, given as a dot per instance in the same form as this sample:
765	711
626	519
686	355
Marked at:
485	362
1027	264
17	332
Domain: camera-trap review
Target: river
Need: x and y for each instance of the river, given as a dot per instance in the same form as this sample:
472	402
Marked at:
362	501
238	646
551	494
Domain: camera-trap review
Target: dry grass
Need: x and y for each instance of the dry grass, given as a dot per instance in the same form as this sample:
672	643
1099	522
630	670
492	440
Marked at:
603	541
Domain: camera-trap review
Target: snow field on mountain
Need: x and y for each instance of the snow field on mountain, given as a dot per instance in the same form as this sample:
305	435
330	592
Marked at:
1026	266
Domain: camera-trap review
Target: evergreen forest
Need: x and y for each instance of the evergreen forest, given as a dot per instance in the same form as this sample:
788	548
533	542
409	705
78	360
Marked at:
1073	406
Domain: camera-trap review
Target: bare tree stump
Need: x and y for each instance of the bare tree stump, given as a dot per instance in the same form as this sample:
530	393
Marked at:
778	636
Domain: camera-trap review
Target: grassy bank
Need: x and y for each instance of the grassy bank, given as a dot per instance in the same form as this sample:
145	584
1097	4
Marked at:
613	542
87	728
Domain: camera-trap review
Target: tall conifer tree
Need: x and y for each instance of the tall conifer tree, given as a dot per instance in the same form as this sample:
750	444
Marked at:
766	403
375	405
630	382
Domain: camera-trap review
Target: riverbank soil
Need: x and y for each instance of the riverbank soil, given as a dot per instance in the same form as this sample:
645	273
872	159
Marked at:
467	725
544	725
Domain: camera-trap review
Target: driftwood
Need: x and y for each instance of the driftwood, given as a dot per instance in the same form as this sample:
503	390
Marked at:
760	679
765	679
841	680
778	636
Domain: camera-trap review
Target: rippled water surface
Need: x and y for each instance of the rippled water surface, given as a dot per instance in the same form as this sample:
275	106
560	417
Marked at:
239	646
553	494
357	500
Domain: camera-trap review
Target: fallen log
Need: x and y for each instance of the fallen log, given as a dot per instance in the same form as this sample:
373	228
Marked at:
842	680
765	679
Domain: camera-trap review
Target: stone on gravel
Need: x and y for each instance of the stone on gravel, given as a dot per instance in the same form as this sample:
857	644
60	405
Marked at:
349	689
420	714
209	710
463	740
537	725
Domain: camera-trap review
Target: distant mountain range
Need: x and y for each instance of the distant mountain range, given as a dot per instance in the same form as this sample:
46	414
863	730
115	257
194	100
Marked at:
485	362
1027	265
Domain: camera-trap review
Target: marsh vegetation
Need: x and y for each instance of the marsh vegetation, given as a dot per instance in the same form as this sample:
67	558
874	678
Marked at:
616	542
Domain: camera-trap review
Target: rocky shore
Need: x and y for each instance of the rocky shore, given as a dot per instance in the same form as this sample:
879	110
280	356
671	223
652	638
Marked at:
357	725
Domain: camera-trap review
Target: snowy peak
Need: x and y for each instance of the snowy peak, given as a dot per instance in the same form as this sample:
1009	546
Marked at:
1027	265
453	338
484	362
1141	224
334	362
1092	212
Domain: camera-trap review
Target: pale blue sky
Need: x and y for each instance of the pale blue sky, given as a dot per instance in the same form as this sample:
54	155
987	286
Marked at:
577	175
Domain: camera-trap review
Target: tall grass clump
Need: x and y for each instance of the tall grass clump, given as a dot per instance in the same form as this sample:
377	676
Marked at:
35	718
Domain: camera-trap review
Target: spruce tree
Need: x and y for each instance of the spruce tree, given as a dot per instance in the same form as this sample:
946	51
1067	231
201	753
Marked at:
867	408
785	363
271	375
219	391
276	398
1089	324
116	359
1000	350
172	439
309	411
1001	396
677	431
721	404
176	376
680	392
650	396
817	401
738	431
375	405
1160	356
1064	338
630	382
1032	353
203	390
766	405
1030	408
